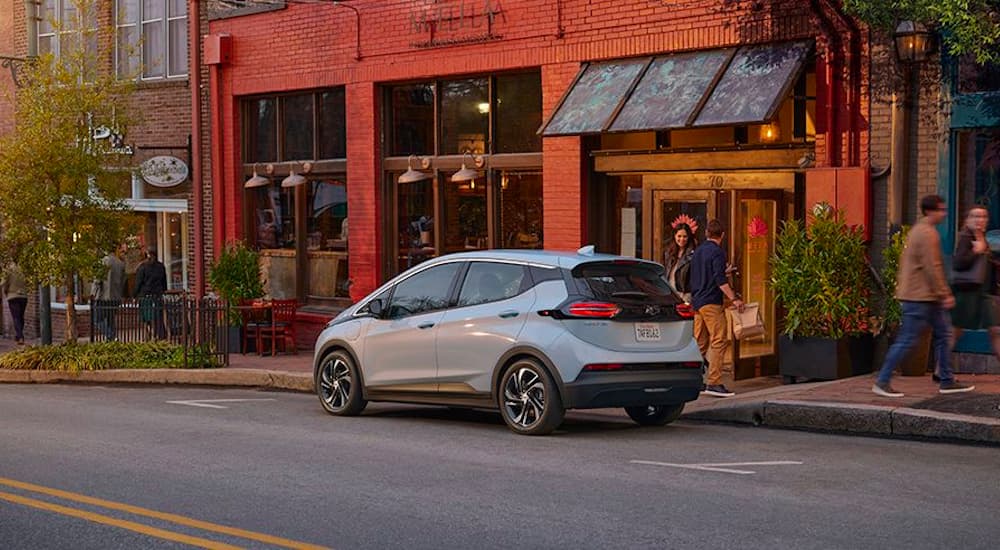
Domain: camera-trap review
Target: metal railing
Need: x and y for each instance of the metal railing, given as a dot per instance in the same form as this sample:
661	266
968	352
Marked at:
199	326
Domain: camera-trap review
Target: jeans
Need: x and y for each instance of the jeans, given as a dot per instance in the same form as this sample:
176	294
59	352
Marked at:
17	307
916	317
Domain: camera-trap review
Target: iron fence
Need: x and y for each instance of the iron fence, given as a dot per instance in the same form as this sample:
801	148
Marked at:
199	326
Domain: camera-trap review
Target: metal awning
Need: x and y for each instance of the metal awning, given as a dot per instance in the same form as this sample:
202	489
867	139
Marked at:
684	90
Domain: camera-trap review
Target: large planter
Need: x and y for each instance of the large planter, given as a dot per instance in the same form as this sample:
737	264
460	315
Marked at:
919	358
861	349
814	358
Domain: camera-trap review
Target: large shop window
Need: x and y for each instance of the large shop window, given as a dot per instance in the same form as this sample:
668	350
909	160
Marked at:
978	172
445	122
152	38
302	230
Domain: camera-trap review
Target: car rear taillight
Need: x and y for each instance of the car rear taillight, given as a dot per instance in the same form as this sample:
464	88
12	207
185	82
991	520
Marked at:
600	310
691	364
684	311
600	367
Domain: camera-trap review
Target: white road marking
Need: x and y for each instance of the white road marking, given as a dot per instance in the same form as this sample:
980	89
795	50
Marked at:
724	467
207	403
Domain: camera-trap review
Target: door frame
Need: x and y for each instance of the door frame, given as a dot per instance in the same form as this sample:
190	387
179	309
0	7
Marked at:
653	247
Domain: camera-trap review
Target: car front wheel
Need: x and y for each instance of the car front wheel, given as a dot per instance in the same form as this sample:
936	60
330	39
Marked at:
655	415
339	385
529	399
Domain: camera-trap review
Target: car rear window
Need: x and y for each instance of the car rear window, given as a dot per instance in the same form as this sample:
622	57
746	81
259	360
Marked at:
623	282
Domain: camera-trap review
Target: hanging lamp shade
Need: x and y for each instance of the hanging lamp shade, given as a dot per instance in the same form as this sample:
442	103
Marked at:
411	175
256	180
465	174
293	180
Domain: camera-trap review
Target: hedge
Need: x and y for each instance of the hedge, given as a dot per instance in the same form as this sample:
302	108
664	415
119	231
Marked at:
102	356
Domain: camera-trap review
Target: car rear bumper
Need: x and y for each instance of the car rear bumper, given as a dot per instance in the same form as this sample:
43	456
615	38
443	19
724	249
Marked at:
593	390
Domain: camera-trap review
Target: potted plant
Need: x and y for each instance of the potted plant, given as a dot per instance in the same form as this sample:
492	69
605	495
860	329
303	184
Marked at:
820	276
235	277
916	363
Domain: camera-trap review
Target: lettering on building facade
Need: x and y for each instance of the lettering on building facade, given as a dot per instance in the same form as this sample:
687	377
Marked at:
450	22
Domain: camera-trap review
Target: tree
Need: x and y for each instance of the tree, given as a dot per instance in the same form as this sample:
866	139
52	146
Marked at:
968	26
62	194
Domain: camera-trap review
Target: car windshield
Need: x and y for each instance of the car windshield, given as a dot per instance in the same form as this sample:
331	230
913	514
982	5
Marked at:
623	282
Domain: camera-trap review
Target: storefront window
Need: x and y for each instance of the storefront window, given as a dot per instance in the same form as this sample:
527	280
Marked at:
297	127
332	130
978	163
974	78
465	215
415	223
274	216
327	238
518	113
262	130
465	116
411	119
520	209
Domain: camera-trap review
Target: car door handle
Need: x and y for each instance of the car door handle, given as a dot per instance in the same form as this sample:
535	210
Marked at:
508	314
423	326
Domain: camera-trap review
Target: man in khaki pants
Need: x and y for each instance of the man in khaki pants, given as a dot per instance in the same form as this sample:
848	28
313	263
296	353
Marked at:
708	286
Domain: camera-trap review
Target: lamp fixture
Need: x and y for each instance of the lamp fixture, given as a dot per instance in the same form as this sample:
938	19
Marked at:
293	179
413	176
256	180
913	42
468	174
770	132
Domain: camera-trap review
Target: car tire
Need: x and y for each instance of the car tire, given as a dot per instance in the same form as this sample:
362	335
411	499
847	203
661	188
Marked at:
655	415
529	400
338	385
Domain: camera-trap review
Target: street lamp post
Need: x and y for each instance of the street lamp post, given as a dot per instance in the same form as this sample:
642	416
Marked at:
912	43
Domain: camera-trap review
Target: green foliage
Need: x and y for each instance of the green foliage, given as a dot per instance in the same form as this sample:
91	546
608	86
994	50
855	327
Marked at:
102	356
890	267
968	26
820	276
62	193
236	275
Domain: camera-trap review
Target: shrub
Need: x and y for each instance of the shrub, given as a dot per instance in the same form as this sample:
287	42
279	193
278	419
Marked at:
820	275
102	356
236	276
890	267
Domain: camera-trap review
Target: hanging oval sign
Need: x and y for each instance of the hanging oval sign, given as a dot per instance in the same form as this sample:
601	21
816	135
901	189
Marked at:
164	171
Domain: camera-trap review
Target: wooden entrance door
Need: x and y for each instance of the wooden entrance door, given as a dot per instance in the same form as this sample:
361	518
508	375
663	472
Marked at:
756	218
671	208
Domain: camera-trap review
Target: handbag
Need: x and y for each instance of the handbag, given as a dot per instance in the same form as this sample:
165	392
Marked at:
747	324
975	275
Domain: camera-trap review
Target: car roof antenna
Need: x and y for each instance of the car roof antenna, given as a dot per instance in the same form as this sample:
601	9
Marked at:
586	251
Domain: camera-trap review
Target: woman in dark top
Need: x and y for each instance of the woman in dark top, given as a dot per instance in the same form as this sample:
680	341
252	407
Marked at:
973	302
678	254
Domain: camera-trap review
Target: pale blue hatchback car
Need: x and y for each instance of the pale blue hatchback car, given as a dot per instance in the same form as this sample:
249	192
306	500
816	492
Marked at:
528	333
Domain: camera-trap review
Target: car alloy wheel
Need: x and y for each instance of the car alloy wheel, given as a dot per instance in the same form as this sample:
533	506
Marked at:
529	401
655	415
338	385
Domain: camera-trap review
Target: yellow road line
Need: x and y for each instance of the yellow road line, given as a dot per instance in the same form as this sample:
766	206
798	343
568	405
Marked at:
173	518
107	520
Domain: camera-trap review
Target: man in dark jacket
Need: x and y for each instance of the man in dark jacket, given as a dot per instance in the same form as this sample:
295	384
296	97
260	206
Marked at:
709	284
150	284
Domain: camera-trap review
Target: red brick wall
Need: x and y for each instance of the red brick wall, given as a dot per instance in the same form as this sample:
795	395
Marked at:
313	46
6	48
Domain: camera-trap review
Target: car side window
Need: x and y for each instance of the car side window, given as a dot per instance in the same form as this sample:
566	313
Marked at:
491	282
426	291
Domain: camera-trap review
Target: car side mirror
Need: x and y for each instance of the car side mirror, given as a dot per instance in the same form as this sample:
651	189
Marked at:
376	308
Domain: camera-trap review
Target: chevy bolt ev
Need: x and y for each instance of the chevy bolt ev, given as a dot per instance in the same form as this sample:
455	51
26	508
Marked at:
530	333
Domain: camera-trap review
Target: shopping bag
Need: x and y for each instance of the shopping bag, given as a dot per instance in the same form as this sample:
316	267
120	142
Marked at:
747	324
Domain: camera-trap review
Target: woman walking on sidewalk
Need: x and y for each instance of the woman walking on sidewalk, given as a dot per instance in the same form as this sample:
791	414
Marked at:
16	291
972	266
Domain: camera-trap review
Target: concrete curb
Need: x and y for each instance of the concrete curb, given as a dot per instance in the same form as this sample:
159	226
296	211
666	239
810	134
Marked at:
825	416
225	377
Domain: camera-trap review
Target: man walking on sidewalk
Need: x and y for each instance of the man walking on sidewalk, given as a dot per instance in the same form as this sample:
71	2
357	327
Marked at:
925	299
708	285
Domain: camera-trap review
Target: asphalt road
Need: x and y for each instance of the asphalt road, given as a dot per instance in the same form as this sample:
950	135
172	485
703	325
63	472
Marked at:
115	467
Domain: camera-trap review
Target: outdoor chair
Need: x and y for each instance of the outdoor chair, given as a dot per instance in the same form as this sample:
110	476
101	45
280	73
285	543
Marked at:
253	320
281	327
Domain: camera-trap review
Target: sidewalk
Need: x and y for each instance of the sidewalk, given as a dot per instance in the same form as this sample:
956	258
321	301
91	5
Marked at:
843	406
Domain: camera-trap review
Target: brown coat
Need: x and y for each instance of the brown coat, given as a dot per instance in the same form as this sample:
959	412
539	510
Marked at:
921	275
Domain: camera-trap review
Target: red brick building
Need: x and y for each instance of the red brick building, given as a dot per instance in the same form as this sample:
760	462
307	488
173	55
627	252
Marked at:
600	122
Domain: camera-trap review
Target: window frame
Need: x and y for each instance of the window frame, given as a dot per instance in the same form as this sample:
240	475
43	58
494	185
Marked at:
61	28
457	277
527	283
139	26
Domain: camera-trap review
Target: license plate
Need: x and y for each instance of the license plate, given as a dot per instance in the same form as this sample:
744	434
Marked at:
647	332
